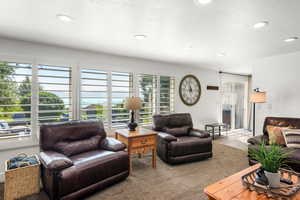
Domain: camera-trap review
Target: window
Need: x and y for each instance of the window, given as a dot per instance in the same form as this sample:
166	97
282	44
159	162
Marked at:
121	88
147	92
15	98
101	96
54	102
94	95
167	94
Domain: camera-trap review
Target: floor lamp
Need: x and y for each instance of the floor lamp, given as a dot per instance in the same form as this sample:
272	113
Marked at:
257	97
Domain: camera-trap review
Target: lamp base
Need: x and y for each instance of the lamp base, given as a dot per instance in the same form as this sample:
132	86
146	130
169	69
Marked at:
132	126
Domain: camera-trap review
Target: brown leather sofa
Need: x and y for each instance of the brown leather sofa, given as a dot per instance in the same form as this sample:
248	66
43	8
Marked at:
254	142
177	140
78	159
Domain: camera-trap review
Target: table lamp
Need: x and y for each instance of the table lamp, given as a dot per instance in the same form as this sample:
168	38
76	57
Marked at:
133	103
257	97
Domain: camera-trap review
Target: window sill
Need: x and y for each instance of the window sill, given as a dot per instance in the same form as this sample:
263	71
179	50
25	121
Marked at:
17	142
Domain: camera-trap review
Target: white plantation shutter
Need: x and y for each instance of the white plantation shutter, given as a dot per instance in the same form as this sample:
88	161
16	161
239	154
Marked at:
41	93
15	98
94	95
121	88
147	92
55	102
167	94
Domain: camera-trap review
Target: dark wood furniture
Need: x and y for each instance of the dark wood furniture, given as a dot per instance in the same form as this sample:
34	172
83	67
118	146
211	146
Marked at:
139	142
211	128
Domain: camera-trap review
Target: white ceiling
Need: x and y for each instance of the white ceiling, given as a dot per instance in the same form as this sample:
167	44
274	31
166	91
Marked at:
177	30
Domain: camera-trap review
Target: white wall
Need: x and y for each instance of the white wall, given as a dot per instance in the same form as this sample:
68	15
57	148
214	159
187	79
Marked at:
205	110
279	76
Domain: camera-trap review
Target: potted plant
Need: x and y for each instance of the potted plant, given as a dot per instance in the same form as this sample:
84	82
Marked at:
271	158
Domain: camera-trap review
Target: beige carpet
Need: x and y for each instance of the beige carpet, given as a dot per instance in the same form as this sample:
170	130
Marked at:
183	182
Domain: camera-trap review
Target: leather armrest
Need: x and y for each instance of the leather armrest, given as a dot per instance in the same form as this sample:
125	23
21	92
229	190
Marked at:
111	144
167	137
199	133
55	161
257	140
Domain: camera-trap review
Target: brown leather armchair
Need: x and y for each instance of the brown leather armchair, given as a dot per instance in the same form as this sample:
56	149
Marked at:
77	159
178	141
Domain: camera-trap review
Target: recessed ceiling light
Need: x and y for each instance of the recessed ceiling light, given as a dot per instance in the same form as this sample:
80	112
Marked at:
203	2
260	24
64	18
140	37
221	54
291	39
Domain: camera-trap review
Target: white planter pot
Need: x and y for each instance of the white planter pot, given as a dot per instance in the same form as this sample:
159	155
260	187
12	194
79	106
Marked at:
273	178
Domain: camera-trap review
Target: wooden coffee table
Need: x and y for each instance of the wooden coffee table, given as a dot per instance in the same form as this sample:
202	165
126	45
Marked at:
231	188
139	142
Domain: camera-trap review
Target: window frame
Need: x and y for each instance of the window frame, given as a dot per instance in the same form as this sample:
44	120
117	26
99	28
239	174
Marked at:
157	95
100	72
130	93
28	121
171	102
75	69
69	91
154	93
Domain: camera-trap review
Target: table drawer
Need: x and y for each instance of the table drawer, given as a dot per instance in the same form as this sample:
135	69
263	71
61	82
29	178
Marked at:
143	141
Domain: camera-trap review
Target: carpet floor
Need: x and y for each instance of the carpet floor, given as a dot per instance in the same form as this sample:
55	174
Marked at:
183	182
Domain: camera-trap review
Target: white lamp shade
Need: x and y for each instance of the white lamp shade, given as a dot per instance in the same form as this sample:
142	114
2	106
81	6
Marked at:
258	97
133	103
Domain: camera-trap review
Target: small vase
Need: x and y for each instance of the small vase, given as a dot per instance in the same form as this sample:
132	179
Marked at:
273	178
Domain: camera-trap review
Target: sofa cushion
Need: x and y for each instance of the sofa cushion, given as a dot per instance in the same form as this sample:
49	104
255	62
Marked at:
180	120
70	148
160	121
257	140
53	133
180	131
294	155
282	122
172	121
292	137
275	135
90	167
189	145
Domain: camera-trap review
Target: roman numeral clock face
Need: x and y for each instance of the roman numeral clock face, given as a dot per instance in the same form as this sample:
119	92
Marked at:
190	90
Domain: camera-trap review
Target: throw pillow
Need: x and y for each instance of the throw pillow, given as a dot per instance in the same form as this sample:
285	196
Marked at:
70	148
292	137
275	135
181	131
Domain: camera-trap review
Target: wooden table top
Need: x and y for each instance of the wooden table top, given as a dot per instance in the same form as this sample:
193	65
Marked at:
139	132
231	188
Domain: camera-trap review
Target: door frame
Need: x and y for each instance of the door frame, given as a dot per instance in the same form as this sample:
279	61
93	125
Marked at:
229	78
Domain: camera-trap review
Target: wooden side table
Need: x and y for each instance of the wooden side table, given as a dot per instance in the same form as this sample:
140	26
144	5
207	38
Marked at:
216	125
139	142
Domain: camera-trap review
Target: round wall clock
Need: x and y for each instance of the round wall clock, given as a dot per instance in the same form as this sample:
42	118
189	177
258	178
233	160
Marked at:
190	90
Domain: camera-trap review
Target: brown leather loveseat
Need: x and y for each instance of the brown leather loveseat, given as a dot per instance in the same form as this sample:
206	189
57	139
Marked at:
78	159
178	141
294	154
